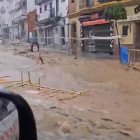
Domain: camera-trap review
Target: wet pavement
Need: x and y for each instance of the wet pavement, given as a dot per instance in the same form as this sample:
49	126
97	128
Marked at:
108	111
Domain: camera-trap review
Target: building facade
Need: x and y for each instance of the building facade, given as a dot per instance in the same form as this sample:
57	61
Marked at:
129	29
31	19
86	19
13	15
18	13
52	25
5	19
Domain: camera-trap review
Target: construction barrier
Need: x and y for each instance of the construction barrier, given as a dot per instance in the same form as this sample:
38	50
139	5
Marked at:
68	43
130	57
133	57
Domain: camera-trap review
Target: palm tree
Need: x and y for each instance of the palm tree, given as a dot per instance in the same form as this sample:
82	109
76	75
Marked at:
116	12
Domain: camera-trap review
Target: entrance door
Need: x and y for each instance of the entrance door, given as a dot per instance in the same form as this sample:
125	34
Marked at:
63	35
137	40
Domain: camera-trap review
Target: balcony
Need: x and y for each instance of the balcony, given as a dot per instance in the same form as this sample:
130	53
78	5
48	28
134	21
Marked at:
15	21
90	6
107	3
91	3
97	5
43	15
15	8
104	1
46	15
38	2
19	19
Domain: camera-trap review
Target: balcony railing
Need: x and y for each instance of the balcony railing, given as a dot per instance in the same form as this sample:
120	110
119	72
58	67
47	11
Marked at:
49	14
104	1
38	2
90	3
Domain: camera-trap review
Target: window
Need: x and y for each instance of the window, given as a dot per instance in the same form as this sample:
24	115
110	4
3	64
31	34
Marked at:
72	1
40	10
125	30
57	7
45	8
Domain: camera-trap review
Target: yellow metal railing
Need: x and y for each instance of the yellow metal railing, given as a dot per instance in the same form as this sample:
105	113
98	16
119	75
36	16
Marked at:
83	8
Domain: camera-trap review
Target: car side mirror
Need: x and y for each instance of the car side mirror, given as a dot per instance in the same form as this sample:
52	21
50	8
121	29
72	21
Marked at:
16	118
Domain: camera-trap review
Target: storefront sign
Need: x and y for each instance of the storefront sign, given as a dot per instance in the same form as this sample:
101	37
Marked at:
137	9
95	22
134	14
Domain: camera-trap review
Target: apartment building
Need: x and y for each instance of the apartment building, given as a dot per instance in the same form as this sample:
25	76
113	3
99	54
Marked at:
5	19
89	15
18	14
52	22
129	29
31	19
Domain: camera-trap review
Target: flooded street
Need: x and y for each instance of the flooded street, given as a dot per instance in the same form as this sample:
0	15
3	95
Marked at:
107	107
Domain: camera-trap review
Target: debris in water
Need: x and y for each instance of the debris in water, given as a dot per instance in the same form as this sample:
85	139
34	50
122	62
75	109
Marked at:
124	132
107	119
32	91
65	128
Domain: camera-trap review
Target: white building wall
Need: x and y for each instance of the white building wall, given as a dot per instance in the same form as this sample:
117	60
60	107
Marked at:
56	32
6	16
5	19
44	14
9	15
63	8
18	22
31	5
63	12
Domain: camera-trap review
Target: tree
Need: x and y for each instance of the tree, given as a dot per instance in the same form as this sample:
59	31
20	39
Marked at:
116	12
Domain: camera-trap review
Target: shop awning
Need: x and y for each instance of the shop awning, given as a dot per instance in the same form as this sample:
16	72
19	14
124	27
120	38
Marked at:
95	22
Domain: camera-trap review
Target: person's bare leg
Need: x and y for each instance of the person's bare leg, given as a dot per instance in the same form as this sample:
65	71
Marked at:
37	46
32	45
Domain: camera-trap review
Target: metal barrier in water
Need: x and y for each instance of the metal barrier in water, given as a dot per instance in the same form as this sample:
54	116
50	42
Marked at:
134	57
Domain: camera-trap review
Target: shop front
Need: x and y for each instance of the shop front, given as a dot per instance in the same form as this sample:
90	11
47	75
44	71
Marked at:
129	29
94	25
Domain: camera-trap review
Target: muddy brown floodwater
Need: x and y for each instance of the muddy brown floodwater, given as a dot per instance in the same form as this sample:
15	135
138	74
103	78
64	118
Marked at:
108	110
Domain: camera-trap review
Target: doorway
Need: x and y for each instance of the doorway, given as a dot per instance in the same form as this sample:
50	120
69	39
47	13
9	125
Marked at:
63	35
